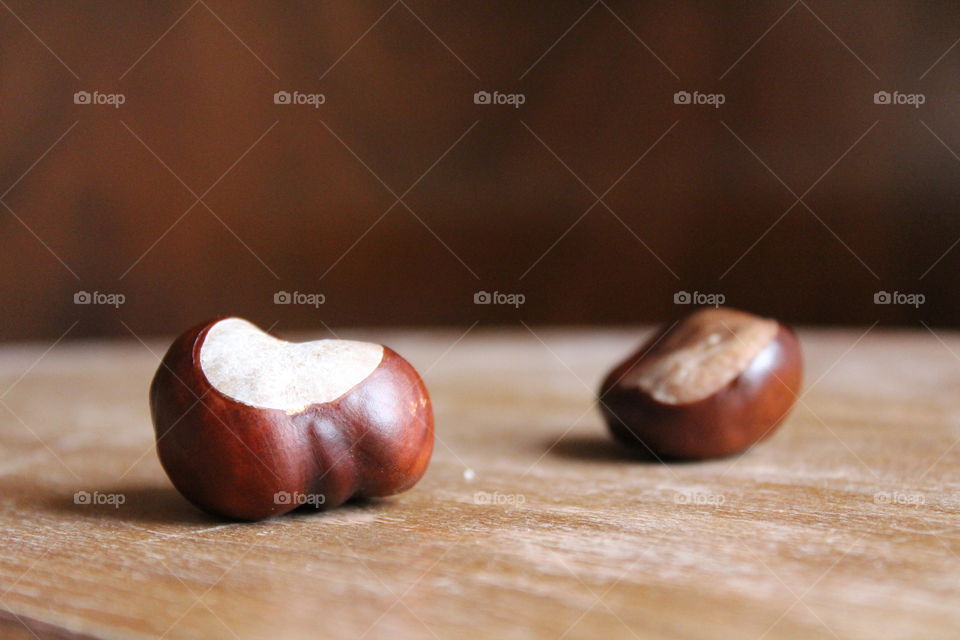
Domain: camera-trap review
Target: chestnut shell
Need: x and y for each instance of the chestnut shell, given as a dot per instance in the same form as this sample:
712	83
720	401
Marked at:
745	411
232	459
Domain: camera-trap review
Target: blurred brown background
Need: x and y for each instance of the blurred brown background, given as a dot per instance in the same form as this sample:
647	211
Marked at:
494	198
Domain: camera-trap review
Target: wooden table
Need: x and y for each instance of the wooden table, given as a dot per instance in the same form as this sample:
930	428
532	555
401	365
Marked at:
529	522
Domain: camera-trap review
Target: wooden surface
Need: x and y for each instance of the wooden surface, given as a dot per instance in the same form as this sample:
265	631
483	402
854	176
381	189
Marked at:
844	524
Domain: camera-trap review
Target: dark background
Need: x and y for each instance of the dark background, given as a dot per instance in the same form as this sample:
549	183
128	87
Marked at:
299	199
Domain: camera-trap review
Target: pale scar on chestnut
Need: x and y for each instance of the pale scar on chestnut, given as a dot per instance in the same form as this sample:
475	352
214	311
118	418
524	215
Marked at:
713	384
245	422
254	368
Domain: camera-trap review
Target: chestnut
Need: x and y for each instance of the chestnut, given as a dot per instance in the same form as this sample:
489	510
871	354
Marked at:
249	426
707	386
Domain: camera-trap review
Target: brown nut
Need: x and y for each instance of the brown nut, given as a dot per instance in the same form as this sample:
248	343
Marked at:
711	385
249	426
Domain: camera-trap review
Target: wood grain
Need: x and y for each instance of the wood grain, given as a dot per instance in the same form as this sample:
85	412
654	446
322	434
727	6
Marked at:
529	523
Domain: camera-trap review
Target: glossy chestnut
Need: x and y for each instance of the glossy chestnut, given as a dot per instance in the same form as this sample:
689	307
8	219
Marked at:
707	386
249	426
